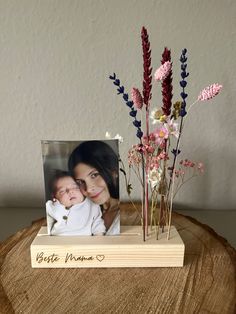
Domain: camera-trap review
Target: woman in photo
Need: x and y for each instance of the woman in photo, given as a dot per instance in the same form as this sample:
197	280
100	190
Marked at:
95	167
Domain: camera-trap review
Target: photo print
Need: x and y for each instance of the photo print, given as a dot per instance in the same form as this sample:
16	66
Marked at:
81	187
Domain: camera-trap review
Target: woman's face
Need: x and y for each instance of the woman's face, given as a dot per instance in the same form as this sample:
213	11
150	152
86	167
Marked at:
91	183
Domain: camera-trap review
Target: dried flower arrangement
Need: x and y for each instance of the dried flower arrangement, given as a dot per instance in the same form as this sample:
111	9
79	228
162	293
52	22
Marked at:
154	160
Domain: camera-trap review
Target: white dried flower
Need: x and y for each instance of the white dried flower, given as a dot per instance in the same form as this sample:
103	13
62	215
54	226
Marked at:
108	135
119	138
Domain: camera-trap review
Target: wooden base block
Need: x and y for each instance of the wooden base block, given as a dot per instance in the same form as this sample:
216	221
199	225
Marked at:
125	250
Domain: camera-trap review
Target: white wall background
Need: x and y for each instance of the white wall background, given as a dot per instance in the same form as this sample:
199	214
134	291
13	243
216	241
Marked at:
55	59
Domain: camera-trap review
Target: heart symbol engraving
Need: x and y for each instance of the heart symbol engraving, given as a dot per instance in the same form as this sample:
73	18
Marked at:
100	258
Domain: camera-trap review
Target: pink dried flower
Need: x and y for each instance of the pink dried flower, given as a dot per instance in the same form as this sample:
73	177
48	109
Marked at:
134	157
137	98
163	156
209	92
161	134
200	167
139	148
162	144
154	163
187	163
149	149
145	140
152	137
179	173
172	127
163	71
146	148
176	173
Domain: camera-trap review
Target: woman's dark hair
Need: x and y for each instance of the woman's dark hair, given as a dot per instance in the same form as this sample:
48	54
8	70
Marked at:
101	156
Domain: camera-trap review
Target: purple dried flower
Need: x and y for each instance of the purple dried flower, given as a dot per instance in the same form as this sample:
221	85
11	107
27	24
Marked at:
183	83
130	104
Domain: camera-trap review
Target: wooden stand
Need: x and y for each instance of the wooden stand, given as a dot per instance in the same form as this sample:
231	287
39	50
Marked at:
206	283
125	250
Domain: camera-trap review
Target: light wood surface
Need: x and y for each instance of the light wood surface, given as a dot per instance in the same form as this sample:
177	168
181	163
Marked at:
206	283
125	250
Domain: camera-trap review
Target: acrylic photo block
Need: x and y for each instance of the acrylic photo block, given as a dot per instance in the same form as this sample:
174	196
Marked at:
81	187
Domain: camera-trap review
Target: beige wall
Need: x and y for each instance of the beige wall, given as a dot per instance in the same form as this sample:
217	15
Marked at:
55	58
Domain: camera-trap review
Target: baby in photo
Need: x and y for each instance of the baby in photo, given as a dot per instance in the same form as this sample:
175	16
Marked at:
69	212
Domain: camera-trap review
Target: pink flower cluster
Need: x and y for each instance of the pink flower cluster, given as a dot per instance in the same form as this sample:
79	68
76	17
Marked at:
147	139
134	156
161	133
148	148
164	131
179	173
163	156
154	161
189	164
137	98
200	167
163	71
209	92
145	148
149	143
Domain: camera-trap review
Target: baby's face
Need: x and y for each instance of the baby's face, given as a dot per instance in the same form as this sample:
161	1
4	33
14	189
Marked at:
68	192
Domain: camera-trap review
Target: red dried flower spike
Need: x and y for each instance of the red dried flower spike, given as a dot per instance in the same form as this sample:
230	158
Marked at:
147	70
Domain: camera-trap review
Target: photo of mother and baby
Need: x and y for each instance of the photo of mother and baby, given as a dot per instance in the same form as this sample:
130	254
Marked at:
83	196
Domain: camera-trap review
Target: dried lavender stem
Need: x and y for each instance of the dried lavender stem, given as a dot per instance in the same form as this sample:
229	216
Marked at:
172	184
175	156
171	206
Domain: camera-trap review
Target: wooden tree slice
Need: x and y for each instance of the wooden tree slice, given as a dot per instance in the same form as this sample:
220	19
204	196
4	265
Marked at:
206	283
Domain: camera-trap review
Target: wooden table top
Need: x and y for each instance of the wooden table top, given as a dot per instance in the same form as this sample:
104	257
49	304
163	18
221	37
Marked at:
206	283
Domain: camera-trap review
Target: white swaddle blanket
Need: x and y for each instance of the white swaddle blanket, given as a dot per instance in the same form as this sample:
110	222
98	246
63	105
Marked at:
81	219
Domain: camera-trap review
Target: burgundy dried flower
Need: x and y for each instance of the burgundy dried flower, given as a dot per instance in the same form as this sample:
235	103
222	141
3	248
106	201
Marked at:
147	70
136	98
167	85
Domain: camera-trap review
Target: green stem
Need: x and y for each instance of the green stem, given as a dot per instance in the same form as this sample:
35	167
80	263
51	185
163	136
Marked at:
127	185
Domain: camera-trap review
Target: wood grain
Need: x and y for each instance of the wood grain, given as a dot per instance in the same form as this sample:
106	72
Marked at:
206	284
125	250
